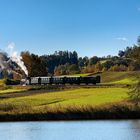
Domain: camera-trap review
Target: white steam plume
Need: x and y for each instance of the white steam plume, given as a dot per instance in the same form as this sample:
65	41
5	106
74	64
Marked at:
3	64
15	57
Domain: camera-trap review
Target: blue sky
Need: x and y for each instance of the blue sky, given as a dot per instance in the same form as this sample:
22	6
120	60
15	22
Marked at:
91	27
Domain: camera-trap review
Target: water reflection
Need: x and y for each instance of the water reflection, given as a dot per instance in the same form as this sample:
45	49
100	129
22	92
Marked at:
81	130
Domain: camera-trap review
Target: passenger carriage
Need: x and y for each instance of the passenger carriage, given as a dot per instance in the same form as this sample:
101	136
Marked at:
63	80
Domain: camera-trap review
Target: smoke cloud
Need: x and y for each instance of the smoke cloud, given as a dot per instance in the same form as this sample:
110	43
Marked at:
15	57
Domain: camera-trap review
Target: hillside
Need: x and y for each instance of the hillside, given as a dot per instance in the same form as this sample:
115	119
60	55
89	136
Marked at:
68	101
119	77
81	95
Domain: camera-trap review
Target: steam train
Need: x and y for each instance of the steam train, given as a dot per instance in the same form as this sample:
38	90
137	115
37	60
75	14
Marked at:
63	80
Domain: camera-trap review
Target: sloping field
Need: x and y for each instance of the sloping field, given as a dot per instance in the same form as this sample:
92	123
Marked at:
80	96
81	74
119	77
77	102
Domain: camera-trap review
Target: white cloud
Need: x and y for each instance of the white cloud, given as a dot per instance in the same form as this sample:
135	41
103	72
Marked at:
11	46
122	39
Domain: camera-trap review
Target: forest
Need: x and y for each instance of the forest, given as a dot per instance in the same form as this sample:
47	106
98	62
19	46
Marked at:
66	62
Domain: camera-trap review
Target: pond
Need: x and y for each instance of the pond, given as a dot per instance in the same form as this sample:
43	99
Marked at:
71	130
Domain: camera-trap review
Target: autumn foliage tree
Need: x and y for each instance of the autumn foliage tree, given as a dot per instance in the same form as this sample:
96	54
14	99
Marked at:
35	66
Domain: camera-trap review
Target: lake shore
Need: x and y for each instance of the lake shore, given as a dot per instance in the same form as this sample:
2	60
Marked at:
107	112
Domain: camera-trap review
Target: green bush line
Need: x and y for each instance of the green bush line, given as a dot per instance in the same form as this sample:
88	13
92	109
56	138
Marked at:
113	111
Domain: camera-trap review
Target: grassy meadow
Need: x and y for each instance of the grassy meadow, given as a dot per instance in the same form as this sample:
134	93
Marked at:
80	96
60	101
129	77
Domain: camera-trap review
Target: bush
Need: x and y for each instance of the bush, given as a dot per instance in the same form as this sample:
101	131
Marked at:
134	94
12	82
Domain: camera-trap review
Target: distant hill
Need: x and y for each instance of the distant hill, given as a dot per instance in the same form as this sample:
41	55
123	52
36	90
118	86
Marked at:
119	77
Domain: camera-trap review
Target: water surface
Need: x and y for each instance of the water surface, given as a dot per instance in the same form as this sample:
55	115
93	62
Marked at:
72	130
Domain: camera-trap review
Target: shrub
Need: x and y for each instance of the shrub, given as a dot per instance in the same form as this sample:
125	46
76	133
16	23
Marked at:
134	94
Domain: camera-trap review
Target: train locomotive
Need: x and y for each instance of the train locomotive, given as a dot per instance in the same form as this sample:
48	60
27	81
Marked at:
62	80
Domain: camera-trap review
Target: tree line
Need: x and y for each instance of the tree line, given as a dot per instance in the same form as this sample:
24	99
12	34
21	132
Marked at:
67	62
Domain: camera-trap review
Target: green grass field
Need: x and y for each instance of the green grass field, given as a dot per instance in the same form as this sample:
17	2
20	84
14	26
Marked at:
73	101
13	90
129	77
80	96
